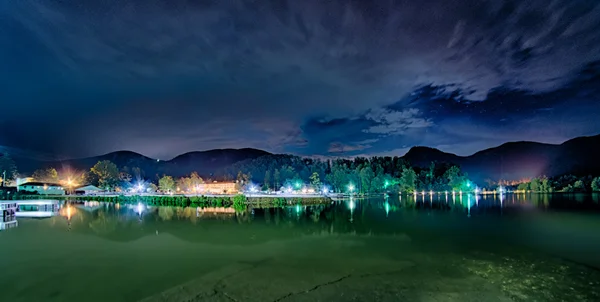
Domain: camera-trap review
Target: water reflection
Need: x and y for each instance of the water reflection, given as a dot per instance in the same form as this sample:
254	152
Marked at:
107	219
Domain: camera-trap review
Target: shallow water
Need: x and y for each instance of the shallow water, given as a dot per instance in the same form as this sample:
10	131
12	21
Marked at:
520	248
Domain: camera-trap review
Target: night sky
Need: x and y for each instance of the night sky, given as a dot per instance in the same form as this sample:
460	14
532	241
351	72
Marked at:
315	78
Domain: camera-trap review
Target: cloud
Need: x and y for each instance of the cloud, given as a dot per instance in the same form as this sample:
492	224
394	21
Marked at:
338	147
391	122
475	45
203	74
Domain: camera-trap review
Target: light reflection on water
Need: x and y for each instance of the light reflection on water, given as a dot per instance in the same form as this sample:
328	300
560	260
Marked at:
476	232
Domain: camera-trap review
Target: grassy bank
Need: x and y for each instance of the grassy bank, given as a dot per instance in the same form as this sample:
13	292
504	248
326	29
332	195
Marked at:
281	201
238	201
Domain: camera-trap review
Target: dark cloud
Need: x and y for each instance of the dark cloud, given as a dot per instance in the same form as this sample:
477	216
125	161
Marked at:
311	77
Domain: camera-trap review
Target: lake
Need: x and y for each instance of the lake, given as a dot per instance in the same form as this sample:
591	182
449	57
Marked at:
434	248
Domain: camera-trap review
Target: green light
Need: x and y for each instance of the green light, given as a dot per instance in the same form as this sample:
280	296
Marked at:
387	183
297	185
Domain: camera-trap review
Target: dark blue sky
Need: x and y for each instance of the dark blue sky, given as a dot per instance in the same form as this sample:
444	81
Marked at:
329	78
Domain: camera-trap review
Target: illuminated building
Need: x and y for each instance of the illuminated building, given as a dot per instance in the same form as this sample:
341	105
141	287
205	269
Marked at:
88	190
42	188
218	188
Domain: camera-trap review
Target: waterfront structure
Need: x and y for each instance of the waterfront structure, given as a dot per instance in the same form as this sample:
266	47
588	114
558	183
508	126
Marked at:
23	180
42	188
88	190
37	208
218	188
8	209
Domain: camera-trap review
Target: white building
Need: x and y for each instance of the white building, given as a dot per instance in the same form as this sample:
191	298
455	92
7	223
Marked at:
42	188
23	180
88	190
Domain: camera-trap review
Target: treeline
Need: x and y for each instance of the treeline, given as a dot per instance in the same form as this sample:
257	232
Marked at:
282	172
360	175
276	172
565	183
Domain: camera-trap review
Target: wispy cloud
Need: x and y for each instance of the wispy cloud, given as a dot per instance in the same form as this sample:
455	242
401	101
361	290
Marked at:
171	66
338	147
391	122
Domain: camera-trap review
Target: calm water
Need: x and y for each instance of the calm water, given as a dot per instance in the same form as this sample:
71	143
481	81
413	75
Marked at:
520	248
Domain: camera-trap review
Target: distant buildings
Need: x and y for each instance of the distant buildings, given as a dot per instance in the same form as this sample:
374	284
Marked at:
23	180
42	188
218	188
88	190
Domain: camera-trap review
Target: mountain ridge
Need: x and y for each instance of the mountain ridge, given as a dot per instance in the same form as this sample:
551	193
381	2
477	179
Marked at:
520	160
508	161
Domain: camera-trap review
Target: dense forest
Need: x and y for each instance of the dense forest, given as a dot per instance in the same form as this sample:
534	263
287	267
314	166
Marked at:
276	172
363	175
565	183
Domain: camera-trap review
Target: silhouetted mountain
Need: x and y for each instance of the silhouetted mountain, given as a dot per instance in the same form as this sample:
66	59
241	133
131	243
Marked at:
421	156
519	160
208	162
510	161
120	158
203	162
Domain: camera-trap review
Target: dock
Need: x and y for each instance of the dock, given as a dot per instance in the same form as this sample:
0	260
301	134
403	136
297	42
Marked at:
37	208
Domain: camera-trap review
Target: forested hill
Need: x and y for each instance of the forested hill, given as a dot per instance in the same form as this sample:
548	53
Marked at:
520	160
510	161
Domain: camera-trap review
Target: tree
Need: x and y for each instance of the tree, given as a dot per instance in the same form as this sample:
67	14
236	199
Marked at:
366	176
46	175
107	173
124	175
408	180
196	180
166	184
596	184
523	186
184	184
277	179
152	188
456	181
431	172
578	186
545	186
315	181
138	173
242	180
8	168
534	185
267	182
